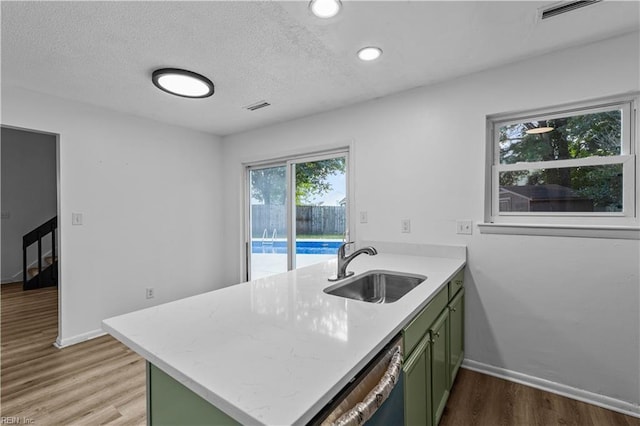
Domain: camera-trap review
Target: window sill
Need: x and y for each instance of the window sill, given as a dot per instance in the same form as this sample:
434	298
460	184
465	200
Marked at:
583	231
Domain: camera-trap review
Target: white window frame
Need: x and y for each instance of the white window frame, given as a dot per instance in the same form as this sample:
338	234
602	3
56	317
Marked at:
289	161
623	224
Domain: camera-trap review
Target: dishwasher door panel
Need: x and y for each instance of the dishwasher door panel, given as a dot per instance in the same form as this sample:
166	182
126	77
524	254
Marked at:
363	400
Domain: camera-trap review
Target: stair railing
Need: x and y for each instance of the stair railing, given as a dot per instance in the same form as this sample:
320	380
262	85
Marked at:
48	276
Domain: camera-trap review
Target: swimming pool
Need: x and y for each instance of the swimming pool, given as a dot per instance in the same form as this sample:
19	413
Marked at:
302	247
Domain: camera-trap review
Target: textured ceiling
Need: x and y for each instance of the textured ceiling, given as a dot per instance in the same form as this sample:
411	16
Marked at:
103	53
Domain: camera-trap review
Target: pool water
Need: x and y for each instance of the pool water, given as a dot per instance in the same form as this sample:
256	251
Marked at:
302	247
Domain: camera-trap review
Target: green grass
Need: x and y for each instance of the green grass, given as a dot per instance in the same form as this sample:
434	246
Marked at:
309	237
324	237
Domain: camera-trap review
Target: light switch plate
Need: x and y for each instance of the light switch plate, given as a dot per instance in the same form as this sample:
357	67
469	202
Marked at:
76	218
364	217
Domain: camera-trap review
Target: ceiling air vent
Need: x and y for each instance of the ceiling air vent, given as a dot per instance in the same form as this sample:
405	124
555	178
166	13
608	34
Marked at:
564	7
257	105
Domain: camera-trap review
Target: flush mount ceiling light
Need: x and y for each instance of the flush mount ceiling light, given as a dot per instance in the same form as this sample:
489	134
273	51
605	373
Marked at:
538	130
369	53
325	8
182	83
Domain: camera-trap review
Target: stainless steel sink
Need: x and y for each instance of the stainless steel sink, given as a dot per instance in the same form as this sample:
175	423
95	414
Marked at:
376	286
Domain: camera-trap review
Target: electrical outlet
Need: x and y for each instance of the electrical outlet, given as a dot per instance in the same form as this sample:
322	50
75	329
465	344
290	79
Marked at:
5	215
150	292
464	227
364	218
405	226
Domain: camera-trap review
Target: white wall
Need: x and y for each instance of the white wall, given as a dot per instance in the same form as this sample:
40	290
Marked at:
150	194
28	194
565	310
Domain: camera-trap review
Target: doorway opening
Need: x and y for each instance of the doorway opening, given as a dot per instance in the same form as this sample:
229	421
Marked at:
29	203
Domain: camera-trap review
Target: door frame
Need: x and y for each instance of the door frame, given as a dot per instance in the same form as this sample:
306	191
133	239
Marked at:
289	162
59	237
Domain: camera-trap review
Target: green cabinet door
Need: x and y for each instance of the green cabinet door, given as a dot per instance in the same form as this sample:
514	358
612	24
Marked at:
428	401
439	365
170	403
417	405
456	334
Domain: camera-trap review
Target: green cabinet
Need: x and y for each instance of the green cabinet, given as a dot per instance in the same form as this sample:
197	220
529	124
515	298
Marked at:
419	326
456	334
434	350
417	368
439	365
456	284
170	403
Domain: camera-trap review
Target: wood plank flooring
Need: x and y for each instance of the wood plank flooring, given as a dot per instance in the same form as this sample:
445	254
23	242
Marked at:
478	399
103	382
96	382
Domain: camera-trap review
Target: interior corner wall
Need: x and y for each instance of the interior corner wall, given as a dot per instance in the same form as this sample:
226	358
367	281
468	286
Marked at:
150	198
28	195
553	309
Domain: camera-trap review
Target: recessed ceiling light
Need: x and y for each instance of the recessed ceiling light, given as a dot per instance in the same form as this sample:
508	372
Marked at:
538	130
182	83
369	53
325	8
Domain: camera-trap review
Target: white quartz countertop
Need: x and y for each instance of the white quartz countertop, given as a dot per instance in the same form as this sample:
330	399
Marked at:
274	351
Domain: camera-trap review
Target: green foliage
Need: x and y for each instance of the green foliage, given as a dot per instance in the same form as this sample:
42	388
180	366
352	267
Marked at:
579	136
269	185
311	178
595	134
602	184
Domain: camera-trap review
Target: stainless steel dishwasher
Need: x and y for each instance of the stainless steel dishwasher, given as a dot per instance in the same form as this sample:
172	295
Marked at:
374	397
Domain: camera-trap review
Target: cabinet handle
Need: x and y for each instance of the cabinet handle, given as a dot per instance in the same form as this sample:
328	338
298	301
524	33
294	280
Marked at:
453	309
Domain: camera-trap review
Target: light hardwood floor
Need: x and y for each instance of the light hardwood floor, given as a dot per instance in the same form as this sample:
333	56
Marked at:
96	382
103	382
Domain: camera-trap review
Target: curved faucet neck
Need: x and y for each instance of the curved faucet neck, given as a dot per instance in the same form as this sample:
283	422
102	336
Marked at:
344	260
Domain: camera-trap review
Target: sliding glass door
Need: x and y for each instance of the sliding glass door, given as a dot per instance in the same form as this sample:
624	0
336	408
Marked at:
268	245
298	213
320	209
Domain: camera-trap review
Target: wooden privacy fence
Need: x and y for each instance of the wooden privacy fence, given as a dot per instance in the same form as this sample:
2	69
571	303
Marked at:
318	220
310	220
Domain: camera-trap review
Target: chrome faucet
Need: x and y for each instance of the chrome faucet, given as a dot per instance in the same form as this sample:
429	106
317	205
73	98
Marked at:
344	260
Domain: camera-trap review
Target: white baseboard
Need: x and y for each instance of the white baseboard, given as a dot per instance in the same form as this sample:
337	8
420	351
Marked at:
15	278
63	343
603	401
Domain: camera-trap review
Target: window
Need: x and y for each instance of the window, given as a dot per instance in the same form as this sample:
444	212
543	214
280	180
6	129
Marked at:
297	211
567	166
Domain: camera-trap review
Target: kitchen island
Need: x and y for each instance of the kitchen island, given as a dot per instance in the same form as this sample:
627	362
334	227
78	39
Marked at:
276	350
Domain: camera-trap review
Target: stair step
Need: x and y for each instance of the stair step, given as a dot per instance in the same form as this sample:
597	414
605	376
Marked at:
32	272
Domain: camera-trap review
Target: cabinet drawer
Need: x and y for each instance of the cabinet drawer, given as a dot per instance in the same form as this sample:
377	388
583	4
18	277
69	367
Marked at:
456	283
414	332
